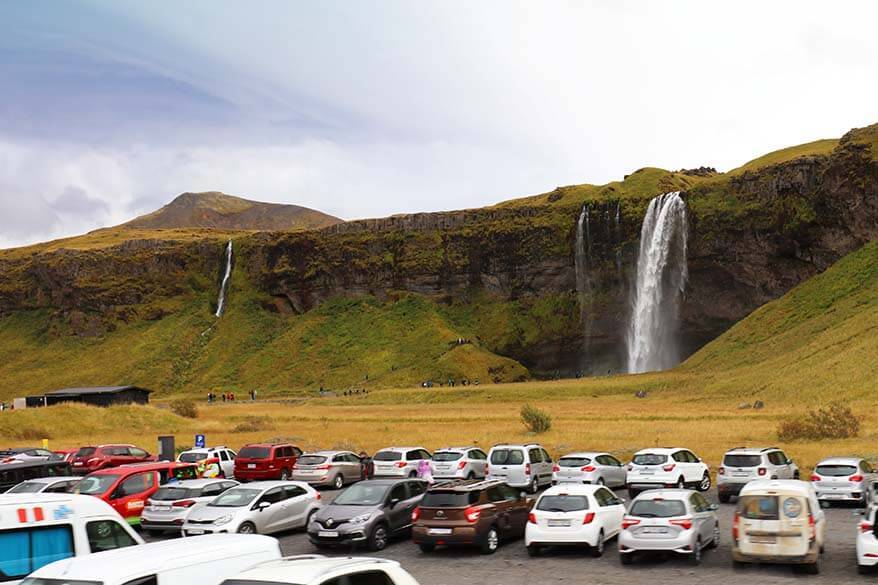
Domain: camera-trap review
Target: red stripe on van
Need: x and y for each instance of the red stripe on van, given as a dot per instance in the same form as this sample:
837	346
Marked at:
38	514
22	515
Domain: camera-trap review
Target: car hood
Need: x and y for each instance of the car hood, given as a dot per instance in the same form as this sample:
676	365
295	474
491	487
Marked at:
344	513
203	512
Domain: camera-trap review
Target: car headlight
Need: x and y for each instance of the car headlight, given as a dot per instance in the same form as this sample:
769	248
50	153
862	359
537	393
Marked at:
223	520
362	518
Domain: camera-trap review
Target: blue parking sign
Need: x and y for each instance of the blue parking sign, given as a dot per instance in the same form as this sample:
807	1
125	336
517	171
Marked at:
199	441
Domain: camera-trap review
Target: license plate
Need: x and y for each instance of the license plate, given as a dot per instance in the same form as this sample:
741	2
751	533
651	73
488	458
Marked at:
328	534
763	539
654	530
559	523
439	531
647	472
251	466
196	532
161	508
77	464
833	495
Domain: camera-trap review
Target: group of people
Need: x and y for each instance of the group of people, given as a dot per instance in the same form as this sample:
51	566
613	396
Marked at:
228	396
451	382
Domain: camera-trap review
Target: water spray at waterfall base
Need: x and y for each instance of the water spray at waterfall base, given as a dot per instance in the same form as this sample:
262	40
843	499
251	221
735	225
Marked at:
224	286
662	274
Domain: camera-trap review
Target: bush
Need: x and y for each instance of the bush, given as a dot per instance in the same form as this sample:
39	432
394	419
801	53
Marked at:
836	421
185	408
251	424
535	419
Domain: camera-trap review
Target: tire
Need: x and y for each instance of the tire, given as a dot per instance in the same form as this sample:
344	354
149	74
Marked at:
491	541
738	565
812	568
320	545
864	569
309	518
534	550
535	485
600	481
724	498
632	493
681	483
597	550
338	482
716	537
413	474
695	555
247	528
471	475
626	558
796	475
705	483
284	475
378	537
427	547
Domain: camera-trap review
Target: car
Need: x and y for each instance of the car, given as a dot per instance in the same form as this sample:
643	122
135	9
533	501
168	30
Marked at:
399	461
320	570
37	529
574	515
92	458
664	468
262	507
521	466
265	461
219	461
64	484
12	474
459	463
328	468
28	455
590	468
166	509
844	479
867	541
480	513
65	454
742	464
208	560
679	521
369	512
127	487
779	521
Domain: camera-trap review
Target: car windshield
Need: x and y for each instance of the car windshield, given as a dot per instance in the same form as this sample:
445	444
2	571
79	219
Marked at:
562	503
254	453
835	470
742	460
311	459
85	452
27	487
362	494
758	507
649	459
172	493
387	456
449	499
574	461
93	485
507	457
446	456
235	498
192	457
657	508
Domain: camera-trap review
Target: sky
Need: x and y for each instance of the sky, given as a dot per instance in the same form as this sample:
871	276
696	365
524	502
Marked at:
109	109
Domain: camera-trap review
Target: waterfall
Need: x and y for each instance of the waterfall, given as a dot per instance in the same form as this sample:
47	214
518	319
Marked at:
617	235
224	286
582	258
661	280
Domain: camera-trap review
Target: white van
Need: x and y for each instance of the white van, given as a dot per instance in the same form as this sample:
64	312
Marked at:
521	466
37	529
207	560
779	521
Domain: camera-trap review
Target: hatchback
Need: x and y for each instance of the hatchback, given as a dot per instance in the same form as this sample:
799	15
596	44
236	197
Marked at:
671	521
590	468
167	508
399	461
320	570
844	479
27	455
89	459
521	466
459	463
262	461
664	468
328	468
47	485
574	515
742	465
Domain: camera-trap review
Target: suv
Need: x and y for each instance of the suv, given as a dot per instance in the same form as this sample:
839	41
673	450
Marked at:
521	466
590	468
665	468
92	458
260	461
459	463
741	465
399	461
221	460
470	512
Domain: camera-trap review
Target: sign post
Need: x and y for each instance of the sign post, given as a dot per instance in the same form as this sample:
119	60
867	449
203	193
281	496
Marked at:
199	442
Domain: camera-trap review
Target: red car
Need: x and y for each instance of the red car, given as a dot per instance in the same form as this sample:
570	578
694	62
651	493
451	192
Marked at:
260	461
89	459
67	454
127	488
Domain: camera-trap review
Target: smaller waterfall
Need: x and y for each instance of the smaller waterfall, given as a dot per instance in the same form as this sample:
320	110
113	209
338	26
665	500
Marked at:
617	235
583	258
224	286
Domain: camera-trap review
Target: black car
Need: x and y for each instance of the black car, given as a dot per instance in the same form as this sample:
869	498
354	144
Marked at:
12	474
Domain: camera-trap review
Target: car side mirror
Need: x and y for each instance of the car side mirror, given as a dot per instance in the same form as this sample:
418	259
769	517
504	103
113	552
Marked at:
263	505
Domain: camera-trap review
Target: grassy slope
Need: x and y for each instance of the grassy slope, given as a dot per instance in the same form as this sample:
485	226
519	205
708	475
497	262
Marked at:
817	147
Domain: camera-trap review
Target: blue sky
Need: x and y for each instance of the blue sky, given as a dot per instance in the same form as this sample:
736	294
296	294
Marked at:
111	108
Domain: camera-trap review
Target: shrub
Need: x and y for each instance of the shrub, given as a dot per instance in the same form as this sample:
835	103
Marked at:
836	421
184	407
535	419
251	424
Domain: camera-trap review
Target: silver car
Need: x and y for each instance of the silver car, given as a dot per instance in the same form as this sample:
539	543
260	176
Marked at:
399	461
28	455
166	509
844	479
521	466
459	463
58	484
675	520
328	468
590	468
260	507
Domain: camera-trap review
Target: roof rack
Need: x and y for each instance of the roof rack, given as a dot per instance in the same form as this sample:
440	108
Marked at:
460	483
763	450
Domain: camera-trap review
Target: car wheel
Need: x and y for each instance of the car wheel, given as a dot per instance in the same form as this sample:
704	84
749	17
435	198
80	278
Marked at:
533	550
864	569
724	498
378	537
705	483
535	485
320	545
796	475
812	568
309	518
338	482
681	483
471	475
738	565
598	549
695	556
632	493
284	475
247	528
413	474
716	536
491	542
427	547
626	558
600	481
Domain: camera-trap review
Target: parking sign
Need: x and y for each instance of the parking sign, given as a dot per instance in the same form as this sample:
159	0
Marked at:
199	441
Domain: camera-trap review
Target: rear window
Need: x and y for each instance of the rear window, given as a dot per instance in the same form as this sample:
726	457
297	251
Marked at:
27	487
387	456
836	470
758	507
649	459
172	493
574	461
658	508
742	460
85	452
507	457
449	499
255	453
447	456
192	457
562	503
312	459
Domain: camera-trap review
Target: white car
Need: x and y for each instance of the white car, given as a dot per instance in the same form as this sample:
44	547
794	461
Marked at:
59	484
742	465
459	463
574	515
867	542
399	462
590	467
224	458
844	479
261	507
166	509
665	468
320	570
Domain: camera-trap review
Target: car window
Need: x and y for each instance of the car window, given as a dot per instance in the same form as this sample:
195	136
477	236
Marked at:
425	454
272	496
416	488
605	497
649	459
148	580
136	484
507	457
224	455
613	461
62	487
293	491
534	456
509	494
477	454
134	451
107	535
657	508
413	455
387	456
364	578
398	492
495	495
25	550
562	503
211	490
546	457
759	507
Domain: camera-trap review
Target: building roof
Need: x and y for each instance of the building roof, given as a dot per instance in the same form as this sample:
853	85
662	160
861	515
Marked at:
94	390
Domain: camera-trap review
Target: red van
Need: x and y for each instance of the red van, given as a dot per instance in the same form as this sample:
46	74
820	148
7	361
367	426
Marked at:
92	458
259	461
126	488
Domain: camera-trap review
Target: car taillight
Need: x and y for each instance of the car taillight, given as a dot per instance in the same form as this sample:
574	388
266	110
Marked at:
588	468
472	515
865	526
812	524
684	523
400	464
629	522
92	460
761	471
461	465
295	466
555	469
589	518
322	467
857	478
669	467
736	521
416	513
721	471
532	518
184	504
527	469
815	477
319	496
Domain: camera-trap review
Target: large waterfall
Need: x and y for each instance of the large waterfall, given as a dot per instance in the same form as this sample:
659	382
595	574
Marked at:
661	280
224	286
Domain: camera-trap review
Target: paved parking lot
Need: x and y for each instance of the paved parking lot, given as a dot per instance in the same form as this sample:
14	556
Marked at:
512	566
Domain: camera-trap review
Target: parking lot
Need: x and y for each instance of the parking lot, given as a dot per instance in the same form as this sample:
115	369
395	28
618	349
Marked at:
512	566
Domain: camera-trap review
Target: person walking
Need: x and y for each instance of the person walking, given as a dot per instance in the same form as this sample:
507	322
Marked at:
425	471
367	467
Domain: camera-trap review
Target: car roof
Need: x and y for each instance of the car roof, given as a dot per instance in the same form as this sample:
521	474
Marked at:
51	479
309	568
82	504
145	466
591	454
574	489
781	485
464	485
203	449
666	494
516	446
283	444
388	481
661	450
268	484
401	449
836	460
324	453
195	483
752	450
457	449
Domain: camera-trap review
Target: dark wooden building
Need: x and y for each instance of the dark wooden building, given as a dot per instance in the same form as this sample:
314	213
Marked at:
98	396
